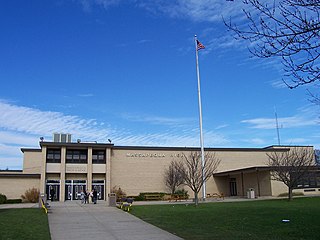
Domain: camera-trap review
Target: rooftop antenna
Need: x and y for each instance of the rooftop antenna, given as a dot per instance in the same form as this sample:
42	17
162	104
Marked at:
277	125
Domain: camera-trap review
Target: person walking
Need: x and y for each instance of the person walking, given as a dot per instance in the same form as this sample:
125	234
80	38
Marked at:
82	194
95	196
52	193
86	197
91	196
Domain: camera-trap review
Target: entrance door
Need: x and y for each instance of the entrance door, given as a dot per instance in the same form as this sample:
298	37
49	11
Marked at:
74	189
68	193
233	187
77	189
99	186
53	186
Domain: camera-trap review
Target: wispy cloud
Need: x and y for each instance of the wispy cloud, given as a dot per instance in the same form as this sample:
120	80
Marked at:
88	4
85	95
25	120
221	126
306	117
278	84
156	120
22	126
195	10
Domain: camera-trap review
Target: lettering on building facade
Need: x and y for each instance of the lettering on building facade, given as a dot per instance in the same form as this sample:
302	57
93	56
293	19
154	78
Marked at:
156	155
76	169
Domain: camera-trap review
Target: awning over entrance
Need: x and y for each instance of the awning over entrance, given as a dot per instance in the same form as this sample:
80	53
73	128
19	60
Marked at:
241	170
257	170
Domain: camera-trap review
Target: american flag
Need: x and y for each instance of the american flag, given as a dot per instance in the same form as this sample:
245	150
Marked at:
200	45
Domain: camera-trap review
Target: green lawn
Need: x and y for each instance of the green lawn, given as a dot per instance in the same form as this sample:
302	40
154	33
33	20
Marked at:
237	220
27	223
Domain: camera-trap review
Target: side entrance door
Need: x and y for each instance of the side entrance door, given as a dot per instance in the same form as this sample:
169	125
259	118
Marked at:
233	187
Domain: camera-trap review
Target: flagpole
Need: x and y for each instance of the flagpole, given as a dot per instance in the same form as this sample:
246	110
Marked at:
200	121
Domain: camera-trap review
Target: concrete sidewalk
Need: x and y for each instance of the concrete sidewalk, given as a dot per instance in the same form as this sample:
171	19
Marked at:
72	220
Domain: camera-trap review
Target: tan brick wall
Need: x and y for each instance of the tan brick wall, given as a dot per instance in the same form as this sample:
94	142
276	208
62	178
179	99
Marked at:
232	160
14	187
32	162
278	188
135	174
138	171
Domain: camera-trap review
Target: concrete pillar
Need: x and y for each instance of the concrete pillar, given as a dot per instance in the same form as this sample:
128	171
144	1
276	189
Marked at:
89	170
43	170
108	173
63	174
258	182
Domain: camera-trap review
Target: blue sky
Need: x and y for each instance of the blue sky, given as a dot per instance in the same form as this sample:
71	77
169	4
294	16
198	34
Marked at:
125	70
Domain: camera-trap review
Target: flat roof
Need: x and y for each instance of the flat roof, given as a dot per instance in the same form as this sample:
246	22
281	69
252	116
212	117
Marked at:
112	146
18	173
241	170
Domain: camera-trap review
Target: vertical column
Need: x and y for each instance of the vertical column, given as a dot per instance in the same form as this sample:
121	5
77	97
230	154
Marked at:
258	182
242	184
108	173
43	170
89	170
63	174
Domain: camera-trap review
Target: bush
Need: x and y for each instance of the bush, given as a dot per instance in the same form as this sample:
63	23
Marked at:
31	195
119	192
3	198
141	196
293	194
12	201
182	192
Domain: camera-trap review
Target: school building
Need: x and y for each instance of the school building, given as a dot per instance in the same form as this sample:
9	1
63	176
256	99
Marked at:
70	167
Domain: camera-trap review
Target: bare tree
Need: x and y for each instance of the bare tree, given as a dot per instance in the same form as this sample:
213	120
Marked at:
288	29
290	166
173	177
193	174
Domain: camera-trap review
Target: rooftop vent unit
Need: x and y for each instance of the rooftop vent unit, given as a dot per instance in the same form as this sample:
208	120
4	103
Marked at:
62	137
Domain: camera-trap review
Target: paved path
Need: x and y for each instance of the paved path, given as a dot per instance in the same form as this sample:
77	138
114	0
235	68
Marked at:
72	220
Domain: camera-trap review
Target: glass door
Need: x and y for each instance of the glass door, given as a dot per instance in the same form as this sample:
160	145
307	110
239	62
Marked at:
233	187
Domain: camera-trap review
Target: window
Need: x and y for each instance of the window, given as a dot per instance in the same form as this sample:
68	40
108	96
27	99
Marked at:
76	156
98	156
53	156
309	180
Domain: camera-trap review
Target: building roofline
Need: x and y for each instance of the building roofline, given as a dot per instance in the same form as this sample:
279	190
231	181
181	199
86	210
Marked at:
239	170
197	149
76	144
156	148
18	173
30	150
287	146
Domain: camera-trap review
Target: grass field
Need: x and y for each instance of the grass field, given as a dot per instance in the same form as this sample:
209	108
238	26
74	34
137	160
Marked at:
237	220
28	223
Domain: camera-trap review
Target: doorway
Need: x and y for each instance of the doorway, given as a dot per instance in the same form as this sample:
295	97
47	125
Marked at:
99	186
233	187
53	186
73	189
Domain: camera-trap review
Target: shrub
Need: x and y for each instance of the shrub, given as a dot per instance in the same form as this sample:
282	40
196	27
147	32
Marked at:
141	196
119	192
182	192
31	195
12	201
293	194
3	198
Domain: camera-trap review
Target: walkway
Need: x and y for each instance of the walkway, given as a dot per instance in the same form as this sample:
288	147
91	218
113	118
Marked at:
72	220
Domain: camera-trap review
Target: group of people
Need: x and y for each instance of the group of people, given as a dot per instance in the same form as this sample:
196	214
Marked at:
86	195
